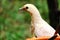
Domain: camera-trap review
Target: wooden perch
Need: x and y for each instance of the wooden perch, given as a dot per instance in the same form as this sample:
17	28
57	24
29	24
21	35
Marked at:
42	38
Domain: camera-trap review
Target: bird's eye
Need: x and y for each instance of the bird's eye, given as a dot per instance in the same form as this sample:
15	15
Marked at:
26	7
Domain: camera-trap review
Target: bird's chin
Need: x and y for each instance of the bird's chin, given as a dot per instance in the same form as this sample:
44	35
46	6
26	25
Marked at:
27	11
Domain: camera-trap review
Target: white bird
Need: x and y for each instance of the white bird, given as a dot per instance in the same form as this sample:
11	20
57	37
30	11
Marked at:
40	27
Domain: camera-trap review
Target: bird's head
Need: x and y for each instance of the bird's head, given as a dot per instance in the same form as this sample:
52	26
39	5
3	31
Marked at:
29	7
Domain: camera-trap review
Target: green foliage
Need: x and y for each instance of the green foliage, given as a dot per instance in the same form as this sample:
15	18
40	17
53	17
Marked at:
59	4
15	25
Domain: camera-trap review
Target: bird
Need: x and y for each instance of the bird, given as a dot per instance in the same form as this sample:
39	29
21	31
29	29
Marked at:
39	27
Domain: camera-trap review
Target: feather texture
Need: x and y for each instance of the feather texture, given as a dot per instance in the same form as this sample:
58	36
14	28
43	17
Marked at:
42	28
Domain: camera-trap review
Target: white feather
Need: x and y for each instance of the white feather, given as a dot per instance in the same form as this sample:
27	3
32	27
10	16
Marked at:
42	28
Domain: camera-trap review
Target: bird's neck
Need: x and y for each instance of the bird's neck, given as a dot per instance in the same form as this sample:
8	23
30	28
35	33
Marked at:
36	17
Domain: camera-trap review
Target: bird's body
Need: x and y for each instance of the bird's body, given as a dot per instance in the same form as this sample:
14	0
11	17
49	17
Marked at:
41	27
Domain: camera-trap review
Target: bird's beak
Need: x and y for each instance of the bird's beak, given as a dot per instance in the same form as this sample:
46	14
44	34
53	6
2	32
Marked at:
21	10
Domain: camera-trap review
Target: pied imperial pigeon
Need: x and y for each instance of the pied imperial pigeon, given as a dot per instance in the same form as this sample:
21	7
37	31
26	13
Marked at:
39	26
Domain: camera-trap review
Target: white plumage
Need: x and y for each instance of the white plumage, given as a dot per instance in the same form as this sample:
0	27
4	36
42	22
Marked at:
42	28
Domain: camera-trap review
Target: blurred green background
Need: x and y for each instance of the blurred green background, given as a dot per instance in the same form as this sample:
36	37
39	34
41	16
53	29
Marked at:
15	25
